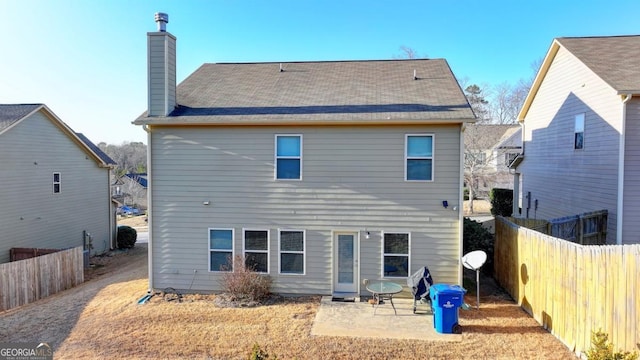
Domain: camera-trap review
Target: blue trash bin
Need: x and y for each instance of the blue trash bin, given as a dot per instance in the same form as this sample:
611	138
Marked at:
446	301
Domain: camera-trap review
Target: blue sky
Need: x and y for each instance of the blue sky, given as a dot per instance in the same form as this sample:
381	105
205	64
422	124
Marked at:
87	59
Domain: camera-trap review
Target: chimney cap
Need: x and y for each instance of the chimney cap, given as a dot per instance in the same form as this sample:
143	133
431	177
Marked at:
162	19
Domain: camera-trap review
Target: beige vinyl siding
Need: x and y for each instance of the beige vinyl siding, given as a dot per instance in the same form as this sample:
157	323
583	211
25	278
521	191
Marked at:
566	181
33	216
353	181
162	73
631	225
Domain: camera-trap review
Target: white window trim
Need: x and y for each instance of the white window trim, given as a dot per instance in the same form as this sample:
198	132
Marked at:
209	249
408	255
303	252
432	158
276	157
268	251
59	182
575	130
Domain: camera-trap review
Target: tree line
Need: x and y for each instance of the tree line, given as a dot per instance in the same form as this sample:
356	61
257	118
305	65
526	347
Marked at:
130	157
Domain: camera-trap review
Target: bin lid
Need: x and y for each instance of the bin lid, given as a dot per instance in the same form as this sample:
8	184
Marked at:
447	289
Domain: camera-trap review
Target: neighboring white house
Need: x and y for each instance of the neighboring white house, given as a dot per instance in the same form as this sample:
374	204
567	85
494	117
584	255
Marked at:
55	184
489	149
581	135
320	174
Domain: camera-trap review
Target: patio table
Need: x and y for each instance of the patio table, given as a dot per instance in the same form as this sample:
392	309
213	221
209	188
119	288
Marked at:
383	290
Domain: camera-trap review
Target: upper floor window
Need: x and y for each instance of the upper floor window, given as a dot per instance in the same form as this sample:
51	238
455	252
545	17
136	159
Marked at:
220	249
256	250
419	157
578	138
289	157
56	182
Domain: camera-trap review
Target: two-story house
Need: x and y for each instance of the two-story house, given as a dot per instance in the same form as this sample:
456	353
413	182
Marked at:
581	134
320	174
55	184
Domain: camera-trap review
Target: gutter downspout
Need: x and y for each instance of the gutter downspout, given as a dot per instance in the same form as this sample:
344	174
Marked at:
149	210
621	153
461	205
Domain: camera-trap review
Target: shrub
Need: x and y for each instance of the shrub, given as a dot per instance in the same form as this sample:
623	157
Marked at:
258	354
476	237
501	202
601	349
127	237
243	283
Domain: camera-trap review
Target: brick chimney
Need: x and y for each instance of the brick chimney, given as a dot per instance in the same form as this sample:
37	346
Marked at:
161	73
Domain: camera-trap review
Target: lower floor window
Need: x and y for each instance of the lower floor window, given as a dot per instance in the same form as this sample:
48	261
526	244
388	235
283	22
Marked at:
291	251
220	249
395	258
256	250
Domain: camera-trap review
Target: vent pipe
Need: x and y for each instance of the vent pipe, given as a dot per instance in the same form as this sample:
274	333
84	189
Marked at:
415	75
162	20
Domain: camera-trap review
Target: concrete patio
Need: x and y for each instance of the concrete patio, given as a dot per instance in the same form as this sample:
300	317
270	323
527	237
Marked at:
357	319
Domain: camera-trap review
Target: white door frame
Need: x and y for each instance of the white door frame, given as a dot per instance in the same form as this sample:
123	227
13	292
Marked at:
340	287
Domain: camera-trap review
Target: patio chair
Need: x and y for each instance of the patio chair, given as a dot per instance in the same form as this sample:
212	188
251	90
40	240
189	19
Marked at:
420	283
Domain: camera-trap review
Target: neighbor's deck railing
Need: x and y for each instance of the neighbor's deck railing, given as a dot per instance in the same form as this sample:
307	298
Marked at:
25	281
571	289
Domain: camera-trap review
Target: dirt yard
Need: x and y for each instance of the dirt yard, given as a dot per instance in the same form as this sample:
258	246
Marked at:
101	319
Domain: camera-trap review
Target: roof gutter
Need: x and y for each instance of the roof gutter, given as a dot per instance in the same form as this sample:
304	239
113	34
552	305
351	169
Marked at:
621	153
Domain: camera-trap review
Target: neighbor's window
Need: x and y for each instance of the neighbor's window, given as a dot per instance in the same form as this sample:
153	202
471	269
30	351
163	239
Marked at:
289	157
578	138
419	157
292	247
395	256
220	249
256	250
56	182
509	157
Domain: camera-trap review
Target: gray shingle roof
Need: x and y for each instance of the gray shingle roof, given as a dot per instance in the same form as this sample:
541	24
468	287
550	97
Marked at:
101	154
381	91
615	59
488	136
11	113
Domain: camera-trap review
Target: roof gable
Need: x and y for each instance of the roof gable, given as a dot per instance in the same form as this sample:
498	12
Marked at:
319	92
12	114
615	59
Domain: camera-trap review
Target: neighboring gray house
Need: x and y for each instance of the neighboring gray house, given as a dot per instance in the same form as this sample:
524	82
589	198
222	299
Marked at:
321	174
55	184
131	189
581	135
489	149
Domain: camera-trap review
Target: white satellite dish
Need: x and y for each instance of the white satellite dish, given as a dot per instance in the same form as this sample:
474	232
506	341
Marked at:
474	261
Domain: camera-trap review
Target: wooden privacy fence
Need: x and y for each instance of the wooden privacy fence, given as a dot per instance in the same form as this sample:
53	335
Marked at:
571	289
587	228
25	281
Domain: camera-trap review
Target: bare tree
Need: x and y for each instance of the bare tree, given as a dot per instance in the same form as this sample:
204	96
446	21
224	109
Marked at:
507	101
484	161
407	52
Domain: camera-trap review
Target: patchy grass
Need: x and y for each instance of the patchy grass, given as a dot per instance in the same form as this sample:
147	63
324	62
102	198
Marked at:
113	326
102	320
